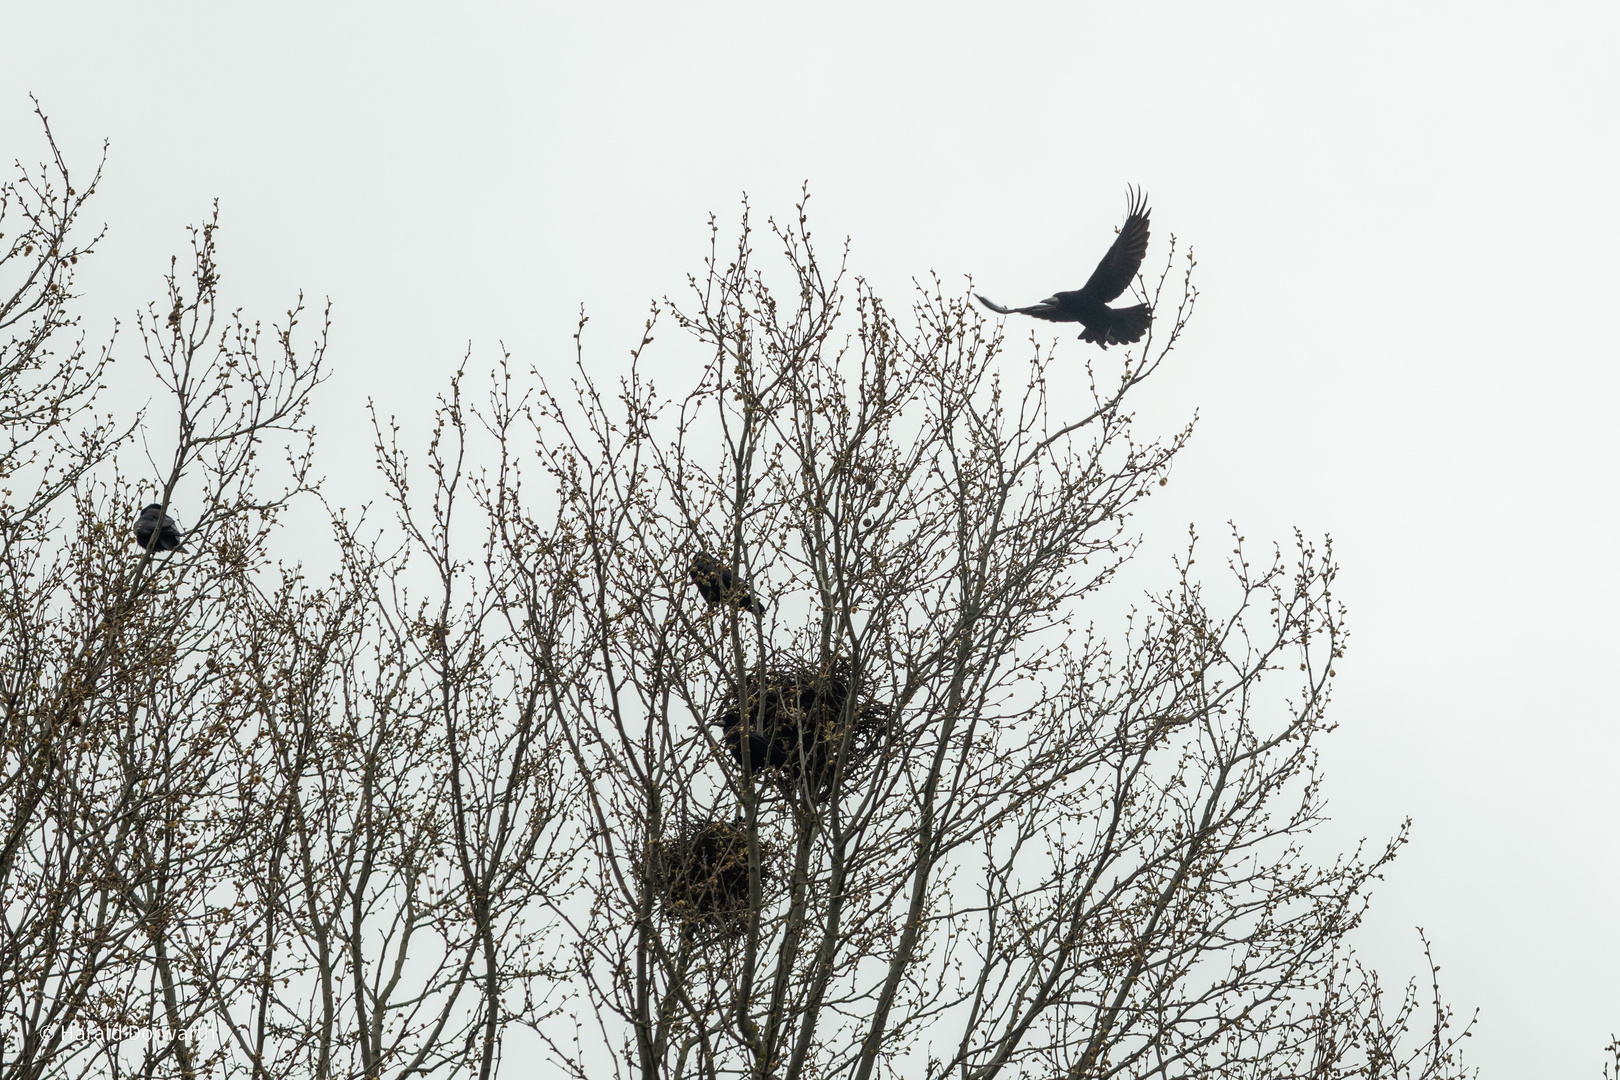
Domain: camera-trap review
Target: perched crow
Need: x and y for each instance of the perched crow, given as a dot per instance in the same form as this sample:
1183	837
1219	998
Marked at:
775	726
1088	305
168	532
763	751
716	583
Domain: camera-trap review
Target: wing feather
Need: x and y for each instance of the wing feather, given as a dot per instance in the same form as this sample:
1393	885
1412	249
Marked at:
1118	268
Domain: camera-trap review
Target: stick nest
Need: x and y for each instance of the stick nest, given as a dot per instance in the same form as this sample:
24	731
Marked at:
702	875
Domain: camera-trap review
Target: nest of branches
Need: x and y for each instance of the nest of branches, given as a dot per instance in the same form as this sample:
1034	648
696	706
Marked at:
702	875
805	722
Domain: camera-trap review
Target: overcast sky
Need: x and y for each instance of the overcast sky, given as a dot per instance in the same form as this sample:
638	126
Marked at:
1405	220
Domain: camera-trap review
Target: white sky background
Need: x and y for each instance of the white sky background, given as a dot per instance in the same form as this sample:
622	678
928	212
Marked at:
1406	229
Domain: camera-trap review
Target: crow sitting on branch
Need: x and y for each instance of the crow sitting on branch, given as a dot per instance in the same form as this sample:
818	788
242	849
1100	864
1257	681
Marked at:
716	583
1088	305
153	521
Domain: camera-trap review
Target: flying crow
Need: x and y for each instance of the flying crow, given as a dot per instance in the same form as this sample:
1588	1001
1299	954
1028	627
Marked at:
1088	305
154	522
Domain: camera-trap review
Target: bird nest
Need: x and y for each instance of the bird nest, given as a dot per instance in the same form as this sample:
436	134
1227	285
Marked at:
702	875
804	722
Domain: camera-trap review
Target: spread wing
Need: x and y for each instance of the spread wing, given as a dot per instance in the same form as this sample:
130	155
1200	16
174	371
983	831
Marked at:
1118	268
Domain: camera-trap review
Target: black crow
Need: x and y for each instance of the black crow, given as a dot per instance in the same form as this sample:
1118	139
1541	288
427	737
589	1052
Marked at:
777	727
763	751
147	525
1088	305
716	583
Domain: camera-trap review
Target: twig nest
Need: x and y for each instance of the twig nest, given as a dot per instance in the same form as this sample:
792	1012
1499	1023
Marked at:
702	875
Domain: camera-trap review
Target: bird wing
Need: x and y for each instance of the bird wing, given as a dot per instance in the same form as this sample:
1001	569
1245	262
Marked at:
1118	268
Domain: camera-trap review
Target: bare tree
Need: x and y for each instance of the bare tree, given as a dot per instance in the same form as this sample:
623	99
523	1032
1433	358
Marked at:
409	823
110	783
945	826
765	729
251	826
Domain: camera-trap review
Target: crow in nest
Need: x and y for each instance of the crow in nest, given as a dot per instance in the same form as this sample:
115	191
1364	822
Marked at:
764	752
154	522
716	583
1088	305
780	711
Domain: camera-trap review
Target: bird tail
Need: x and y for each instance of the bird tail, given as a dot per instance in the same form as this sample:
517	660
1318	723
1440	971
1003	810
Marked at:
1124	326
